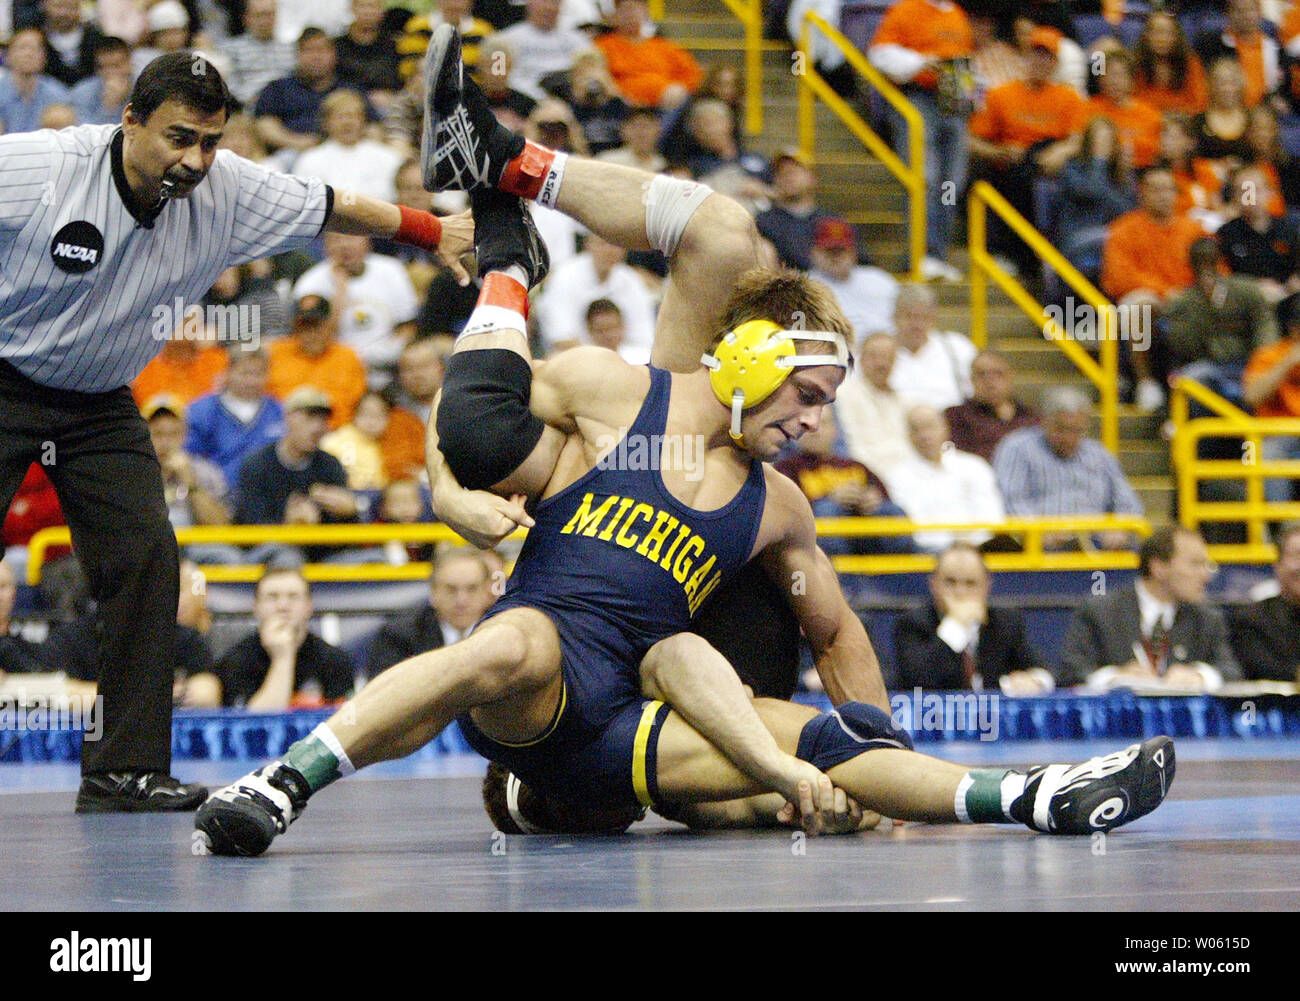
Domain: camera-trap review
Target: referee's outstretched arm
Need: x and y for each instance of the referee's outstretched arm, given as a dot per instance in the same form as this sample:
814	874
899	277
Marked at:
360	215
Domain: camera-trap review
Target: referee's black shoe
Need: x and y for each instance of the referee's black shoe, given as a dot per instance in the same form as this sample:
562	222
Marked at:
462	146
505	234
137	792
1100	794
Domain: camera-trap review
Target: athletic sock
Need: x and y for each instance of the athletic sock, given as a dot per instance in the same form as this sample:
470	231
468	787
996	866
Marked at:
988	796
316	760
535	174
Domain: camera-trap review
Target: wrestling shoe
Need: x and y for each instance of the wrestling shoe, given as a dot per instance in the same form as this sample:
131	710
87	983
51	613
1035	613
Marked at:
505	234
137	792
462	145
245	816
1100	794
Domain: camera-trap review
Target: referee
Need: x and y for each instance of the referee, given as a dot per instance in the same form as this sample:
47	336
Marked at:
100	227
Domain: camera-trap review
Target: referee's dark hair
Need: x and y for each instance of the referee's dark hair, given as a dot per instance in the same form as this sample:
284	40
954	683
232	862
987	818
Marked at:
186	77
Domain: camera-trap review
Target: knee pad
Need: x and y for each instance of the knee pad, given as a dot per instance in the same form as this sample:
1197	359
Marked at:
669	204
835	737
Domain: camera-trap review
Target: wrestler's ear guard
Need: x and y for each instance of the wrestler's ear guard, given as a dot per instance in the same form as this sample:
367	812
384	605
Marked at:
750	362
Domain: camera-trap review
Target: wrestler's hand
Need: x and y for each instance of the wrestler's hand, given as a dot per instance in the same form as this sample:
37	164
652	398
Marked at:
457	240
483	519
814	796
848	818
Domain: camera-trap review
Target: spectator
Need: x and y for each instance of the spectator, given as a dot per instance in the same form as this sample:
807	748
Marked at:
1157	632
1097	186
1073	66
933	366
1200	190
553	123
541	46
347	159
1023	131
312	356
100	99
640	134
420	369
1245	42
590	92
496	76
606	329
1220	130
289	109
993	61
293	482
196	491
373	299
356	444
1280	168
167	29
722	82
1266	635
403	503
257	57
648	70
367	55
195	683
866	294
1212	328
1258	243
69	41
225	427
1167	74
924	46
417	31
1145	263
187	367
58	116
282	665
1271	388
956	640
791	222
1053	470
599	272
460	591
869	410
25	89
942	485
17	655
252	308
296	16
992	411
1137	122
722	164
840	487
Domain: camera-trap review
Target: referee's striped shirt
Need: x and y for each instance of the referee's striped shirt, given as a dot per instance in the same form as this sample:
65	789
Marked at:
89	279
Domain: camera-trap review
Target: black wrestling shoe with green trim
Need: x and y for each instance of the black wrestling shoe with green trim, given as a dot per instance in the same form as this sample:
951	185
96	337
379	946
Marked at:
462	145
245	817
1101	793
137	792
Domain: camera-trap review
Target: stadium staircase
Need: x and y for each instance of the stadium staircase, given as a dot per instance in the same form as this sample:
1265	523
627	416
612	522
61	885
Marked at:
854	184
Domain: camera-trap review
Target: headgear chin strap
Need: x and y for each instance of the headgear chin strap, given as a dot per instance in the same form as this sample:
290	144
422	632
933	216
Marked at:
751	362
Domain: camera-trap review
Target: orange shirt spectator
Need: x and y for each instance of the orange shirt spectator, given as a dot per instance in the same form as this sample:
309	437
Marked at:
1020	114
649	71
1138	125
1190	98
1285	401
337	371
183	369
402	445
933	29
1202	188
1143	252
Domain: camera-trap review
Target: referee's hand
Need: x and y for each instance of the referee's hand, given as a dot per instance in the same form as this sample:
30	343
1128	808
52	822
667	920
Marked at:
457	241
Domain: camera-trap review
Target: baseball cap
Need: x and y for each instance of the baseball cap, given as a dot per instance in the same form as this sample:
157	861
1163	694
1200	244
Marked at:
163	403
308	398
790	153
168	14
1047	38
834	233
313	308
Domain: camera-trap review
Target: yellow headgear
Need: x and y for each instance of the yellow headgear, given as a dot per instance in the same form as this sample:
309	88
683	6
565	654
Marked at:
750	363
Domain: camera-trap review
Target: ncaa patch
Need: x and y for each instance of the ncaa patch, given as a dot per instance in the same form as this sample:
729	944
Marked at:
77	247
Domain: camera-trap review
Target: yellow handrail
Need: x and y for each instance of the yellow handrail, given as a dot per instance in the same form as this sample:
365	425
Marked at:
1186	390
1105	377
811	85
1255	511
750	15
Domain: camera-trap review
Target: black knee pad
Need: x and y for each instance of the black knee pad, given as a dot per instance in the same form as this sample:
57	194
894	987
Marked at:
485	429
835	737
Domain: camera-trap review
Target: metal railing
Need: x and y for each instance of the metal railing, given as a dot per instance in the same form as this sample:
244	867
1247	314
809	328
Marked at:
1230	421
812	86
1104	376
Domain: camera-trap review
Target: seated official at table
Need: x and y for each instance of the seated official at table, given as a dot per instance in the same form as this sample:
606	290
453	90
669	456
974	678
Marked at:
1266	635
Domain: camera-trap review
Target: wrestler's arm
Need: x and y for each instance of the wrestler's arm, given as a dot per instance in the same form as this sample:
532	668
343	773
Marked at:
841	649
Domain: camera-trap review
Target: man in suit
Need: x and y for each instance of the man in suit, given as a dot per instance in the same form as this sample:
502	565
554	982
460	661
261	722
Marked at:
1158	631
1266	634
957	641
460	591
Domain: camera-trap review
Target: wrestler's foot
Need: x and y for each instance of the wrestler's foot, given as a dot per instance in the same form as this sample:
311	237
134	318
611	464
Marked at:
505	234
137	792
1100	794
462	146
245	816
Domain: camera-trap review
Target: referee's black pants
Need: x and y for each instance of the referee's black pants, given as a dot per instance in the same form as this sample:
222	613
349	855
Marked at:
95	448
